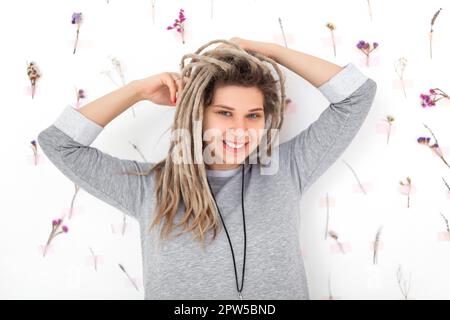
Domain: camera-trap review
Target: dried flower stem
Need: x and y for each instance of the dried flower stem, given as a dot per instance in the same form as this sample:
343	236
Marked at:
435	147
332	27
35	151
400	70
407	184
335	236
137	149
33	74
128	276
431	31
56	230
282	32
212	6
446	222
403	284
330	294
153	11
76	39
328	217
124	224
389	119
94	257
376	245
446	184
73	200
370	10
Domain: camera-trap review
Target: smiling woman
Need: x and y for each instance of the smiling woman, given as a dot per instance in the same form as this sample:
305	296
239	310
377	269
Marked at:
221	95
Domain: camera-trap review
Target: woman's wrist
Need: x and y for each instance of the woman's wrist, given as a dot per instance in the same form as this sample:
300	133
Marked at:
136	90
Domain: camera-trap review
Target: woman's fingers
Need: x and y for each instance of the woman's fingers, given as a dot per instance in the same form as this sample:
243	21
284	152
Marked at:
171	84
177	79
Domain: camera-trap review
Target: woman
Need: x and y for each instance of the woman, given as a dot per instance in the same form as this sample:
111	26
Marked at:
236	187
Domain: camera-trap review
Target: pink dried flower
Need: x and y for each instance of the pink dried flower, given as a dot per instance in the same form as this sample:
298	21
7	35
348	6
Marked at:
179	24
429	100
56	230
366	48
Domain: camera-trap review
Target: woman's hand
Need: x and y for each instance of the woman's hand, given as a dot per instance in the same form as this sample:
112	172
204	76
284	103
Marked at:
162	88
264	48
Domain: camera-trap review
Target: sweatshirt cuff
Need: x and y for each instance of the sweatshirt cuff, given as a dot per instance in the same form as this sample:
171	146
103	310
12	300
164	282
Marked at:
77	126
343	84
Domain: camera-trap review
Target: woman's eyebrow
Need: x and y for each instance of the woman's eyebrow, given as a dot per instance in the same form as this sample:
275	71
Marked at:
230	108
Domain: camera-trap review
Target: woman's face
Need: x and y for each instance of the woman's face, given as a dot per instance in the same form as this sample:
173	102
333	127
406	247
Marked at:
232	126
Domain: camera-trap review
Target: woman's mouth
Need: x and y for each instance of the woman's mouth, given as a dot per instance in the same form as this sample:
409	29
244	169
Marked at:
234	147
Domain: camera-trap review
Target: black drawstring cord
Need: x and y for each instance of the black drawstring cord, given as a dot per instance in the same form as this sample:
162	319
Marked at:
228	236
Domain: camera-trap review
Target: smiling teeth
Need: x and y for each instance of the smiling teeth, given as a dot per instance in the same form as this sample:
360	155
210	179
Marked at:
236	146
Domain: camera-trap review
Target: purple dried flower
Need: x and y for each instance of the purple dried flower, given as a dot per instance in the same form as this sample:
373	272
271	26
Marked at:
179	24
423	140
366	48
76	17
435	95
56	223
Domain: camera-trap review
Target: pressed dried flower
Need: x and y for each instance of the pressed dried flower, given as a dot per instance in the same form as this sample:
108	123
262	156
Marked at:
370	10
367	48
80	93
335	236
153	11
389	119
128	276
433	146
282	32
77	18
446	184
328	217
332	27
77	188
446	222
135	147
179	24
435	94
403	284
35	151
356	177
407	184
433	20
400	70
376	245
57	228
94	258
33	74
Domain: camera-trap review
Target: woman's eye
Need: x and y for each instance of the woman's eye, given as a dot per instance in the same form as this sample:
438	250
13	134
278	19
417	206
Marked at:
222	112
253	115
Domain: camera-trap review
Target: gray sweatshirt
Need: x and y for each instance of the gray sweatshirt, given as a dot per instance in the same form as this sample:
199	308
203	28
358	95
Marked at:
178	268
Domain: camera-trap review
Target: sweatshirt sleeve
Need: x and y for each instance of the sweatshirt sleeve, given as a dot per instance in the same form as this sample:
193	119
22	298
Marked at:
316	148
66	144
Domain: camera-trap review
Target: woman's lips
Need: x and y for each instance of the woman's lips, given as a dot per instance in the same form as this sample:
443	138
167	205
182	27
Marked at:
232	149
